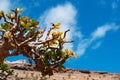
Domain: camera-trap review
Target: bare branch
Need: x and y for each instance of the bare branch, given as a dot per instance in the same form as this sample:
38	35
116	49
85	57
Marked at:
59	61
6	19
18	20
48	33
53	48
15	40
16	16
28	40
47	41
37	40
66	32
68	41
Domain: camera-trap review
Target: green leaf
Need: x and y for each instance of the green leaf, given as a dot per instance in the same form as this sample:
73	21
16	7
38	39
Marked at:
9	71
5	26
33	22
9	15
28	25
7	34
12	44
5	69
36	22
23	18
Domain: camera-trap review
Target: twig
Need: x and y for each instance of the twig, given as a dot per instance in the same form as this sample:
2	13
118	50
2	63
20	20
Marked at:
66	32
26	41
48	33
68	41
6	19
57	62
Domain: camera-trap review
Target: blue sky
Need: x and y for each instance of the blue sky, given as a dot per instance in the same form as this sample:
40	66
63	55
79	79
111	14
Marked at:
94	24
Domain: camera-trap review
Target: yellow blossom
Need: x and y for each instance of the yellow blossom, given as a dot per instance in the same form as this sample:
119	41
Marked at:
19	10
57	26
66	51
31	21
69	52
23	18
22	23
62	39
59	33
54	33
27	18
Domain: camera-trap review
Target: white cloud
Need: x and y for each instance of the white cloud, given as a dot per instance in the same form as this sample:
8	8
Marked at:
99	33
78	34
5	5
98	44
82	46
102	30
65	14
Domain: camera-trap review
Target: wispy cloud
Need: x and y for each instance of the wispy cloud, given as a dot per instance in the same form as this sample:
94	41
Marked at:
112	4
5	5
82	46
101	31
98	34
97	45
65	14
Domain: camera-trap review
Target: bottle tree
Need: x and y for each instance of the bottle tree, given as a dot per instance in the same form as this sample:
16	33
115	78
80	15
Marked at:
22	35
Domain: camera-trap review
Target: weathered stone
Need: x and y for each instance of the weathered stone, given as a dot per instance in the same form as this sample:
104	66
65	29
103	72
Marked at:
26	72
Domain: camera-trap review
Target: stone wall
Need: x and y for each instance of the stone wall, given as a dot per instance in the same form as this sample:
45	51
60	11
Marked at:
27	72
69	74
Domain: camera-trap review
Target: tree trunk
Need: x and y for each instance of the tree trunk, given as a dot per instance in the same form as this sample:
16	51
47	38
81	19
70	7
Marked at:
1	59
4	51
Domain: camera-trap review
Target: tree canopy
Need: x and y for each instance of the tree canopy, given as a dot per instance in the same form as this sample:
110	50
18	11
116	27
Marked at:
22	35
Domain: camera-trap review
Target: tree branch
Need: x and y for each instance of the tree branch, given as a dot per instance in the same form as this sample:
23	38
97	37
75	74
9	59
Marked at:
37	43
26	41
59	61
6	19
68	41
48	33
66	32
